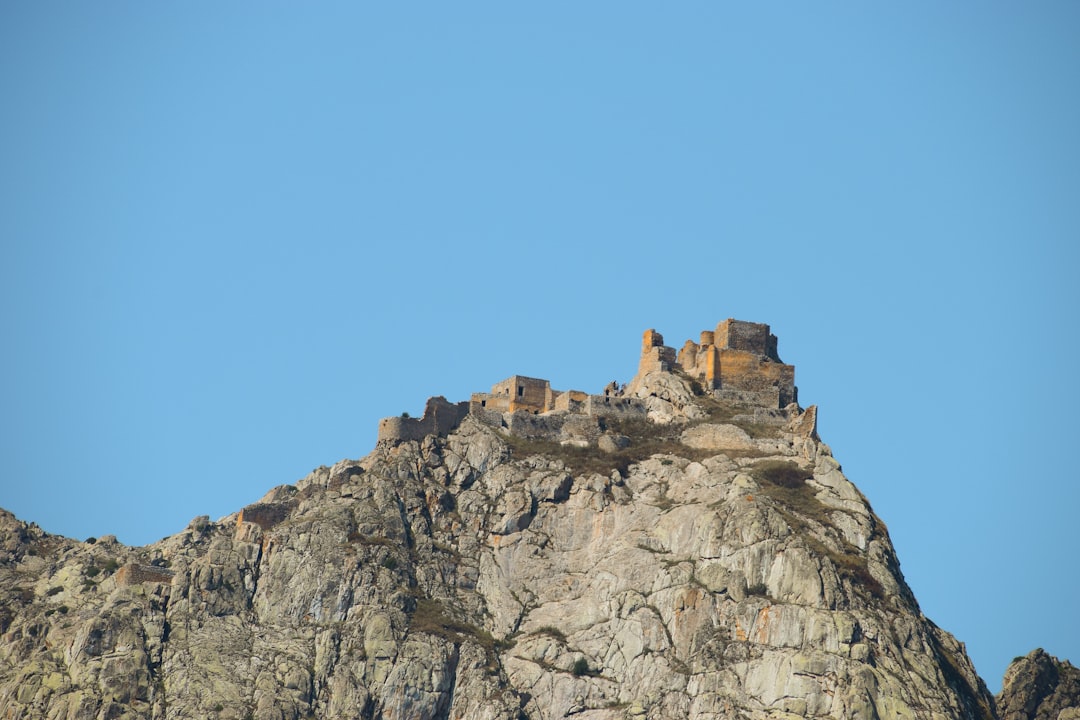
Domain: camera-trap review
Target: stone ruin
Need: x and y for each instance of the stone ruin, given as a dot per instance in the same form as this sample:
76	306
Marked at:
265	515
524	406
440	417
137	574
737	363
532	395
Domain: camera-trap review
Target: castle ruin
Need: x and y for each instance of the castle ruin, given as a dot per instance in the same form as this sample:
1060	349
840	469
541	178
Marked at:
533	395
440	417
737	363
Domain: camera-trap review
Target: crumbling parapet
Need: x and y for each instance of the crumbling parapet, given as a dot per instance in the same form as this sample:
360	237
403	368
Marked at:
440	418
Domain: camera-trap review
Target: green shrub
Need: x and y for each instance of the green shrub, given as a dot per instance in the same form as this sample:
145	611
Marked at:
430	618
759	588
781	473
357	537
552	632
850	564
785	482
581	667
646	439
663	502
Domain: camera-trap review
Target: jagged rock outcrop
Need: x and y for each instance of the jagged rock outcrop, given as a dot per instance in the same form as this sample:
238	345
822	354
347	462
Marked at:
1040	687
710	562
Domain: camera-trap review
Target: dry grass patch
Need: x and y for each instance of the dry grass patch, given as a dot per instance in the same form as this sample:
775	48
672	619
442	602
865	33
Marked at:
784	481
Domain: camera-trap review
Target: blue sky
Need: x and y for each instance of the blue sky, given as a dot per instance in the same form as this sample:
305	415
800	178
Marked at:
233	236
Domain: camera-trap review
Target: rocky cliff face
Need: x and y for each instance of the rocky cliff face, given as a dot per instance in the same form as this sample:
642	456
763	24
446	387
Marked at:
1040	687
708	563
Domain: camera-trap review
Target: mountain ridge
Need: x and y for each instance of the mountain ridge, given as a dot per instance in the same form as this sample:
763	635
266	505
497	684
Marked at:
682	546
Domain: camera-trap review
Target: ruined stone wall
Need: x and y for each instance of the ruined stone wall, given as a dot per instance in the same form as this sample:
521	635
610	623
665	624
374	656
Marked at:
687	357
536	427
736	362
751	337
516	392
655	356
481	402
700	361
525	393
265	515
567	428
396	429
531	395
133	574
494	418
741	376
570	401
609	406
440	417
750	372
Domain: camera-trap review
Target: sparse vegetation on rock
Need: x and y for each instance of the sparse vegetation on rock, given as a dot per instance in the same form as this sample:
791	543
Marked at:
708	560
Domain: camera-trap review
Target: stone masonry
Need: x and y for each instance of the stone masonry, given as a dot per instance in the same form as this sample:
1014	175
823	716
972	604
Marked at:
737	362
440	417
516	393
265	515
136	574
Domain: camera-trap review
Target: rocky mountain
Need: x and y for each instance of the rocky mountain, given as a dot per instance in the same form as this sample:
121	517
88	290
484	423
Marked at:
682	547
1040	687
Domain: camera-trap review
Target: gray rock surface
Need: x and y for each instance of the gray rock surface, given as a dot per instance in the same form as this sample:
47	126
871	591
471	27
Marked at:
1040	687
703	567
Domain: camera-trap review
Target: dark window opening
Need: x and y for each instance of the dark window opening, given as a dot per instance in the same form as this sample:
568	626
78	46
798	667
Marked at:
521	390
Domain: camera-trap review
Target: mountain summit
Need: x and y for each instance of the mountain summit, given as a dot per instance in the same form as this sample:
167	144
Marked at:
680	546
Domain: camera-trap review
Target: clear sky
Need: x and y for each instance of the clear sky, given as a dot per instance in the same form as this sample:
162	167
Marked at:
235	235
